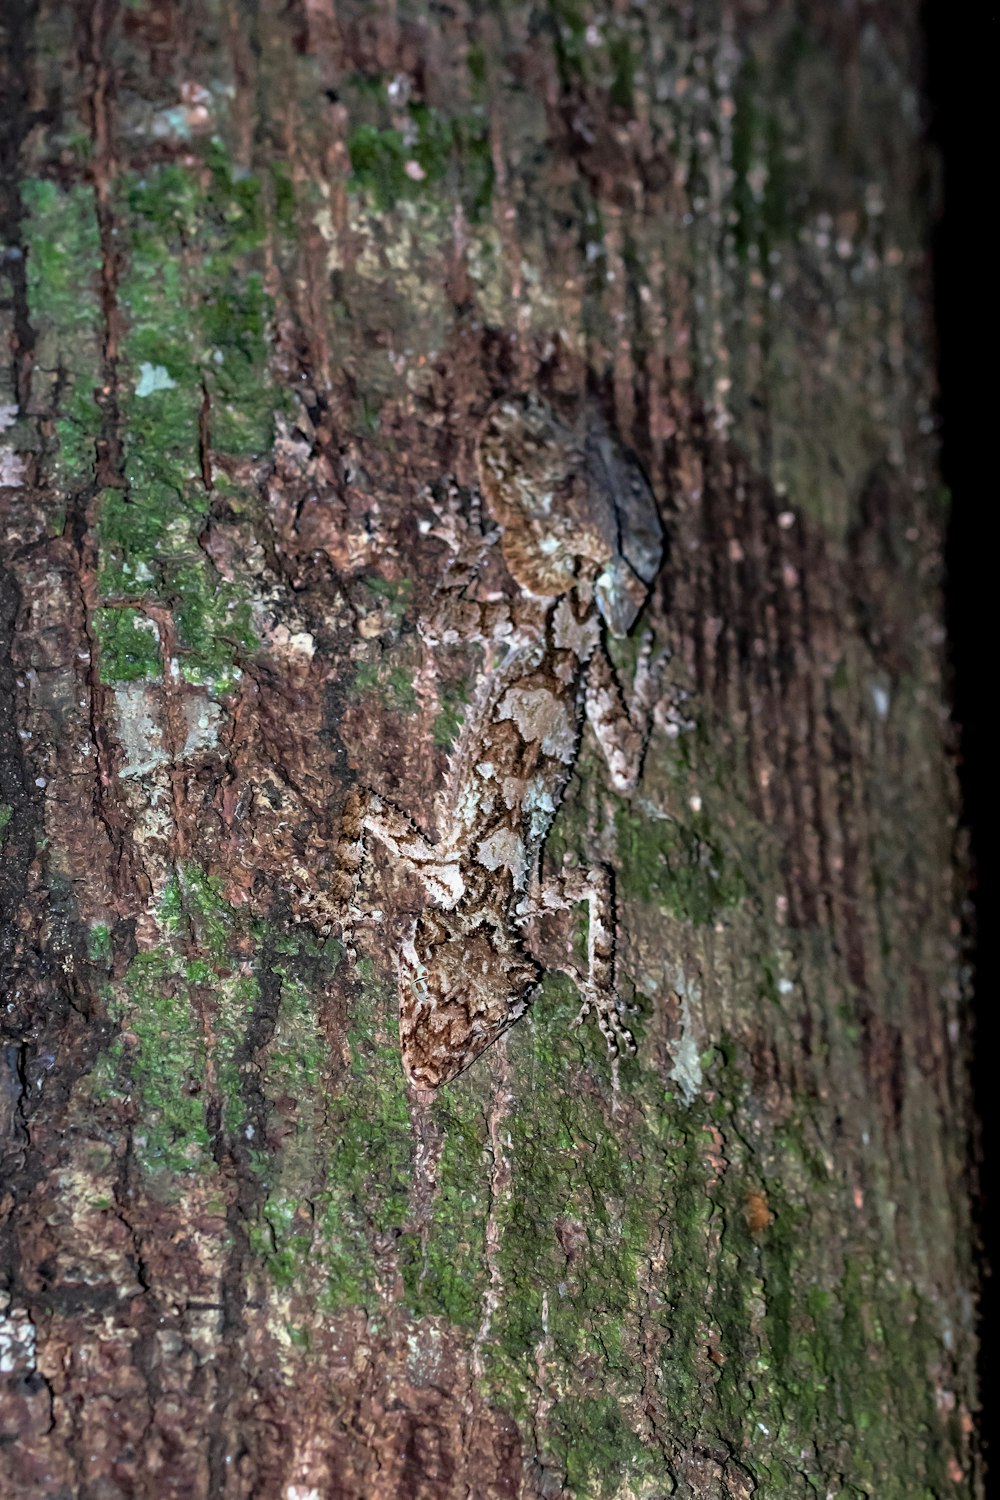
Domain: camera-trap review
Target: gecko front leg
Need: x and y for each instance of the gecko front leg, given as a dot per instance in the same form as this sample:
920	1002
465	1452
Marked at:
621	727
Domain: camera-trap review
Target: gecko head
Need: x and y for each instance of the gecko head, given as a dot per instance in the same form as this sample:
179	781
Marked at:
574	509
462	981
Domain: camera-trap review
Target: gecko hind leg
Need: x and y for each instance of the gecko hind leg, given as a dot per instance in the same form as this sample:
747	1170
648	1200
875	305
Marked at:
595	887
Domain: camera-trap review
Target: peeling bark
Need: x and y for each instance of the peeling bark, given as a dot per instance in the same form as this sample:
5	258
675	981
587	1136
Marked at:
266	268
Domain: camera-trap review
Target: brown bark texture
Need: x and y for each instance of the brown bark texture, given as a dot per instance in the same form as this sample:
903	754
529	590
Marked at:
267	265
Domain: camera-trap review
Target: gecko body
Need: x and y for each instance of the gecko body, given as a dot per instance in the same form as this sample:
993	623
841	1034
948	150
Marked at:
581	538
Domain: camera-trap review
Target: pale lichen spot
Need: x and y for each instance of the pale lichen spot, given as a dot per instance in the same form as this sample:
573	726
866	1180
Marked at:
540	809
503	849
153	378
686	1071
140	733
202	718
292	642
541	716
880	700
17	1341
12	469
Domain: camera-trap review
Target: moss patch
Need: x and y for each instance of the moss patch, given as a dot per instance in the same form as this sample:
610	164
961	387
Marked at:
444	1269
448	720
389	165
164	1056
368	1176
62	244
391	683
195	368
129	646
678	866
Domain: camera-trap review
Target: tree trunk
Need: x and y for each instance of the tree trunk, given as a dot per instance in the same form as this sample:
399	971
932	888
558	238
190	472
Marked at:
269	266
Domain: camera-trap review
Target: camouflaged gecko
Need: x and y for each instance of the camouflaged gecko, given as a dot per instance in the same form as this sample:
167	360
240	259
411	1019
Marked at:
580	535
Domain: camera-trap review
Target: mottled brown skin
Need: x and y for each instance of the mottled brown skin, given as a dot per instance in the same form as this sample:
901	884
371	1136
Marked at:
465	977
464	974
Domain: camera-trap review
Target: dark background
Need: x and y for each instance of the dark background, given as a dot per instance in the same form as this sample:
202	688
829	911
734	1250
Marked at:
963	92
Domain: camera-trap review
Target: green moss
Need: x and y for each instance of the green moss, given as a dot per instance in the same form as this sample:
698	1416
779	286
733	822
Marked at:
380	158
378	165
369	1152
194	357
621	1231
6	813
99	943
192	902
581	1227
395	592
63	255
596	1448
131	535
476	60
683	862
297	1055
434	142
166	206
389	167
129	646
371	1125
448	720
760	190
63	247
164	1057
571	48
106	1080
844	1363
674	865
159	1006
578	1229
571	1185
235	999
299	1338
284	198
393	685
213	624
475	159
444	1269
235	320
283	1238
622	91
802	1393
343	1251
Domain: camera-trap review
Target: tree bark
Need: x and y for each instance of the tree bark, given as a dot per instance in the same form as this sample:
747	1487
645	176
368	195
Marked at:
267	267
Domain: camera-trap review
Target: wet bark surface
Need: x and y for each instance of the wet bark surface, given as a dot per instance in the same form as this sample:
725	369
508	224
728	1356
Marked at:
266	268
